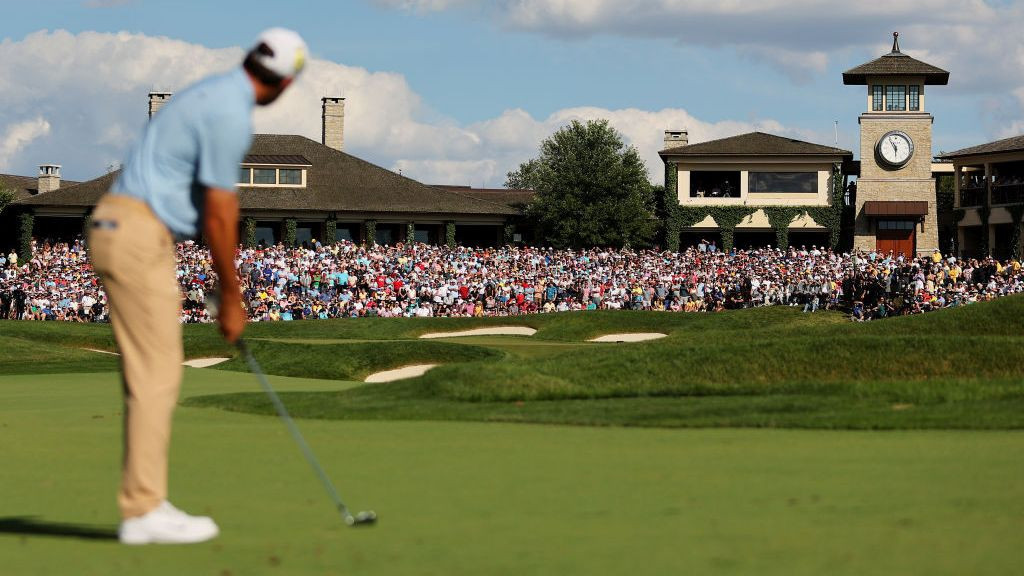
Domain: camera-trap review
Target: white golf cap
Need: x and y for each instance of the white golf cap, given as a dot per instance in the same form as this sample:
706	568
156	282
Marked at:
281	51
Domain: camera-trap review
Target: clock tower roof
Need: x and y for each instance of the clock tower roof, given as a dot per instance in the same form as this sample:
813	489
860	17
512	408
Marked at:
895	63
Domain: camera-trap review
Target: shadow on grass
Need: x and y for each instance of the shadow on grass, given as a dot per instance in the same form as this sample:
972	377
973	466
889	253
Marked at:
30	526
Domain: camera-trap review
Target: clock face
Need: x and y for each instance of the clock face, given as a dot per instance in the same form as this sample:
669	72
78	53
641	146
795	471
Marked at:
895	148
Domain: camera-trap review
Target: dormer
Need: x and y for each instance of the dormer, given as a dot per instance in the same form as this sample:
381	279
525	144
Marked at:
273	171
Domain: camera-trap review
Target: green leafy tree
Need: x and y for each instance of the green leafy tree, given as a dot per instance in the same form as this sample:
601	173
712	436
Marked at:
524	177
591	189
6	197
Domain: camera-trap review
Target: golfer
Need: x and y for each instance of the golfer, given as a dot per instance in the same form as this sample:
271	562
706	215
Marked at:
178	181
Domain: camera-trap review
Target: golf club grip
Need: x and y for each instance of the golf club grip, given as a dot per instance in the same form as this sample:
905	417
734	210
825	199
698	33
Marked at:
255	368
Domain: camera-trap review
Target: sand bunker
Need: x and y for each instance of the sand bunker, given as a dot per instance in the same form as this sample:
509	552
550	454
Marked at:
204	362
497	331
629	337
101	351
400	373
194	363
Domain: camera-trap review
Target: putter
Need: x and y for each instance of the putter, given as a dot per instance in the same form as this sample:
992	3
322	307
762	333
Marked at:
364	518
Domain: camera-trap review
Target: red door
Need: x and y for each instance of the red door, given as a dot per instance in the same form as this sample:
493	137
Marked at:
895	241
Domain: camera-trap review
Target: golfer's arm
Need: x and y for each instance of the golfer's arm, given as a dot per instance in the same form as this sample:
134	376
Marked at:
220	228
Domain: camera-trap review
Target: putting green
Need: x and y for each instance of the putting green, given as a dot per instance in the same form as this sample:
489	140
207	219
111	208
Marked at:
465	498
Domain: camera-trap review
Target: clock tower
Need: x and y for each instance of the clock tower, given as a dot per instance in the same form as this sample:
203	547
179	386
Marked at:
896	208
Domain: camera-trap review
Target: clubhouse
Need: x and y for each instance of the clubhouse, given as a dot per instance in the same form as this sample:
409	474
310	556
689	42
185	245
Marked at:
757	171
294	189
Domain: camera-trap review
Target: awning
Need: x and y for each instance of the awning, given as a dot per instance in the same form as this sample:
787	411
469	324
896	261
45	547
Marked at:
880	208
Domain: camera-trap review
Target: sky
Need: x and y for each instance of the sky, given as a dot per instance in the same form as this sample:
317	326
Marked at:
462	91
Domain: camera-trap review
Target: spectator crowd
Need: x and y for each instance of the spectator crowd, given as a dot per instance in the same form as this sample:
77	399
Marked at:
349	280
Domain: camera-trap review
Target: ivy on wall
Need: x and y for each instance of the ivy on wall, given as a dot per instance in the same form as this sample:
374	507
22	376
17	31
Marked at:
449	234
984	212
410	232
371	232
509	233
678	217
1017	214
831	218
290	226
780	217
670	201
727	217
249	234
86	226
958	215
330	231
26	223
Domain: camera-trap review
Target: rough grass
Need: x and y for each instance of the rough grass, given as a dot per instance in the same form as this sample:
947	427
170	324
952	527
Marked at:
762	367
758	368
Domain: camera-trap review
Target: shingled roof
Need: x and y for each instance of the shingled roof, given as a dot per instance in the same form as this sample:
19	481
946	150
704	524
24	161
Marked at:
1012	144
336	182
82	194
896	63
25	186
512	197
755	144
340	182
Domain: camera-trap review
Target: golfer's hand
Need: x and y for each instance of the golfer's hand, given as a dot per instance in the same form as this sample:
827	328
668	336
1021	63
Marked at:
232	320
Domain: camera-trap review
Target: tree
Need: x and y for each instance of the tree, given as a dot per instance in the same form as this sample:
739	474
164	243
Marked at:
6	197
591	189
523	178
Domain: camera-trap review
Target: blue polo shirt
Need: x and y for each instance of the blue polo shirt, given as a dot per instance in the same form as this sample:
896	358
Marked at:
196	141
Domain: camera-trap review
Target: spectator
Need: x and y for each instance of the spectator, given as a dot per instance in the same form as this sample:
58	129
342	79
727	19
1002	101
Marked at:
346	280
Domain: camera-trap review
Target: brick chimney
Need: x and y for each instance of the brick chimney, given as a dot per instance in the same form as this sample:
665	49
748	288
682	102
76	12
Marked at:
157	101
333	133
49	178
676	139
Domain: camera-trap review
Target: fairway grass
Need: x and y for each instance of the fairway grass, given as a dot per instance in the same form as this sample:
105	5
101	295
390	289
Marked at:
466	498
748	442
768	367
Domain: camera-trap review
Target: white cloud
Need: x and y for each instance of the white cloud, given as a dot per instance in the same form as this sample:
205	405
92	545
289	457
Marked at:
18	135
91	88
979	40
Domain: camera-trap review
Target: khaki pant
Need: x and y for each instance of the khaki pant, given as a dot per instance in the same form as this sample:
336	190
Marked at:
133	253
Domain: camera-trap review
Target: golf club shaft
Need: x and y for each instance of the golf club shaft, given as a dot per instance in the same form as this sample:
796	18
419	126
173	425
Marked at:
296	435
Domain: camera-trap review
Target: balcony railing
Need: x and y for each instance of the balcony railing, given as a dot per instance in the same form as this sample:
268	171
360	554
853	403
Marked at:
1007	193
974	196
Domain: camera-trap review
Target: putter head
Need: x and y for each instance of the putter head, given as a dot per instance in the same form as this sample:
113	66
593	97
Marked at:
364	518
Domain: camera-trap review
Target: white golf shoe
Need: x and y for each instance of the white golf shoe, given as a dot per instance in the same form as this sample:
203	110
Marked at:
165	524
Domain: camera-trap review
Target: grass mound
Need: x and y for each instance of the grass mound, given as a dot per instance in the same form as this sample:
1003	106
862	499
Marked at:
27	356
761	367
353	361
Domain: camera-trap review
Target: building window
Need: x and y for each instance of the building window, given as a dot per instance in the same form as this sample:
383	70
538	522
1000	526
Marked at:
915	97
783	182
264	176
876	98
896	98
289	176
277	177
895	224
714	184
